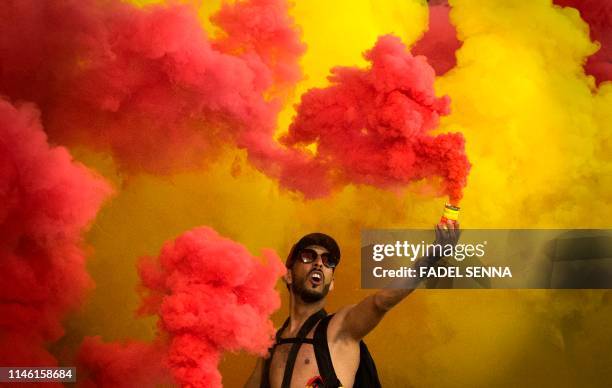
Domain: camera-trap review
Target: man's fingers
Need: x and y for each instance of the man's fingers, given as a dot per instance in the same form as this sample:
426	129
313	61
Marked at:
441	233
448	232
444	232
453	231
457	231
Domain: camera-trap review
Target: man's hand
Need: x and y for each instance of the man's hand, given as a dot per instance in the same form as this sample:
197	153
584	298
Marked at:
447	234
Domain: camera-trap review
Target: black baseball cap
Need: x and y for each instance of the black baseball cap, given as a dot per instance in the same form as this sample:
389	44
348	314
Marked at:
320	239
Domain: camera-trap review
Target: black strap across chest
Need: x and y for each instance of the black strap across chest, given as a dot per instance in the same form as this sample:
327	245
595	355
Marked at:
365	377
323	356
294	341
295	348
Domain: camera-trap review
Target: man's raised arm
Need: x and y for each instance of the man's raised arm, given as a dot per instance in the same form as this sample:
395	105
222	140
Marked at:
359	319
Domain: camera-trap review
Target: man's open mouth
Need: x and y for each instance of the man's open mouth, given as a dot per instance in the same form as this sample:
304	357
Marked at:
316	277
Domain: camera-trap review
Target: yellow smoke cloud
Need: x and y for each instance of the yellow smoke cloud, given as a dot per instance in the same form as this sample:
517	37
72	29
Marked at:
529	114
538	135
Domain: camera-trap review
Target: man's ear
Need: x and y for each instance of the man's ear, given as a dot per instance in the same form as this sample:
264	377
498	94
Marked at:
331	284
288	277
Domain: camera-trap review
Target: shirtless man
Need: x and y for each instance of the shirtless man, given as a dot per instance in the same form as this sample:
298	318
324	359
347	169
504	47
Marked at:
310	276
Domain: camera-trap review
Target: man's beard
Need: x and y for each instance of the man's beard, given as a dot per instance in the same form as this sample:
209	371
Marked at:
307	295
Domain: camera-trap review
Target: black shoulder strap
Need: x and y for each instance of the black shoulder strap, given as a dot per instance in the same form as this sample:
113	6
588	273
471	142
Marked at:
297	342
324	361
306	327
367	375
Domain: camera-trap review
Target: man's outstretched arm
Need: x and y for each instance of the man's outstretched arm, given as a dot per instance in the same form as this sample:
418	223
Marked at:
358	320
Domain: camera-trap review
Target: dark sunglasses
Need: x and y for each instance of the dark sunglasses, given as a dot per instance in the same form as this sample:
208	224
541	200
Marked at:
308	255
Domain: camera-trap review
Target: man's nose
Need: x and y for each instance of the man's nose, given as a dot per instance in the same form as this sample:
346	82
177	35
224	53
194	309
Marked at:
318	261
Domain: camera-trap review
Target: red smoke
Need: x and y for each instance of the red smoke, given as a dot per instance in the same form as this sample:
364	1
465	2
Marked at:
116	365
148	84
372	126
598	14
439	43
151	87
47	202
211	296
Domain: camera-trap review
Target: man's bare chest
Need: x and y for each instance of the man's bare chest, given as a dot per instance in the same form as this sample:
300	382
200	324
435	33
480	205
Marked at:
304	369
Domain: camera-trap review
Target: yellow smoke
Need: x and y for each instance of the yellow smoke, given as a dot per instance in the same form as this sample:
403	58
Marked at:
530	116
539	137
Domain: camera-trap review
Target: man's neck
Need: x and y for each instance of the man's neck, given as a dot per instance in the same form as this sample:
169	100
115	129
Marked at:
300	311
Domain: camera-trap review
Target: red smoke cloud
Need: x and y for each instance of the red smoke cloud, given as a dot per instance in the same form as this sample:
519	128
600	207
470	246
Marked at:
211	296
47	202
122	365
151	87
598	14
371	126
148	84
439	43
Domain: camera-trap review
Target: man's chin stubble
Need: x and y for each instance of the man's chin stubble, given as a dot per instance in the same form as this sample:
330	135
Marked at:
308	296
